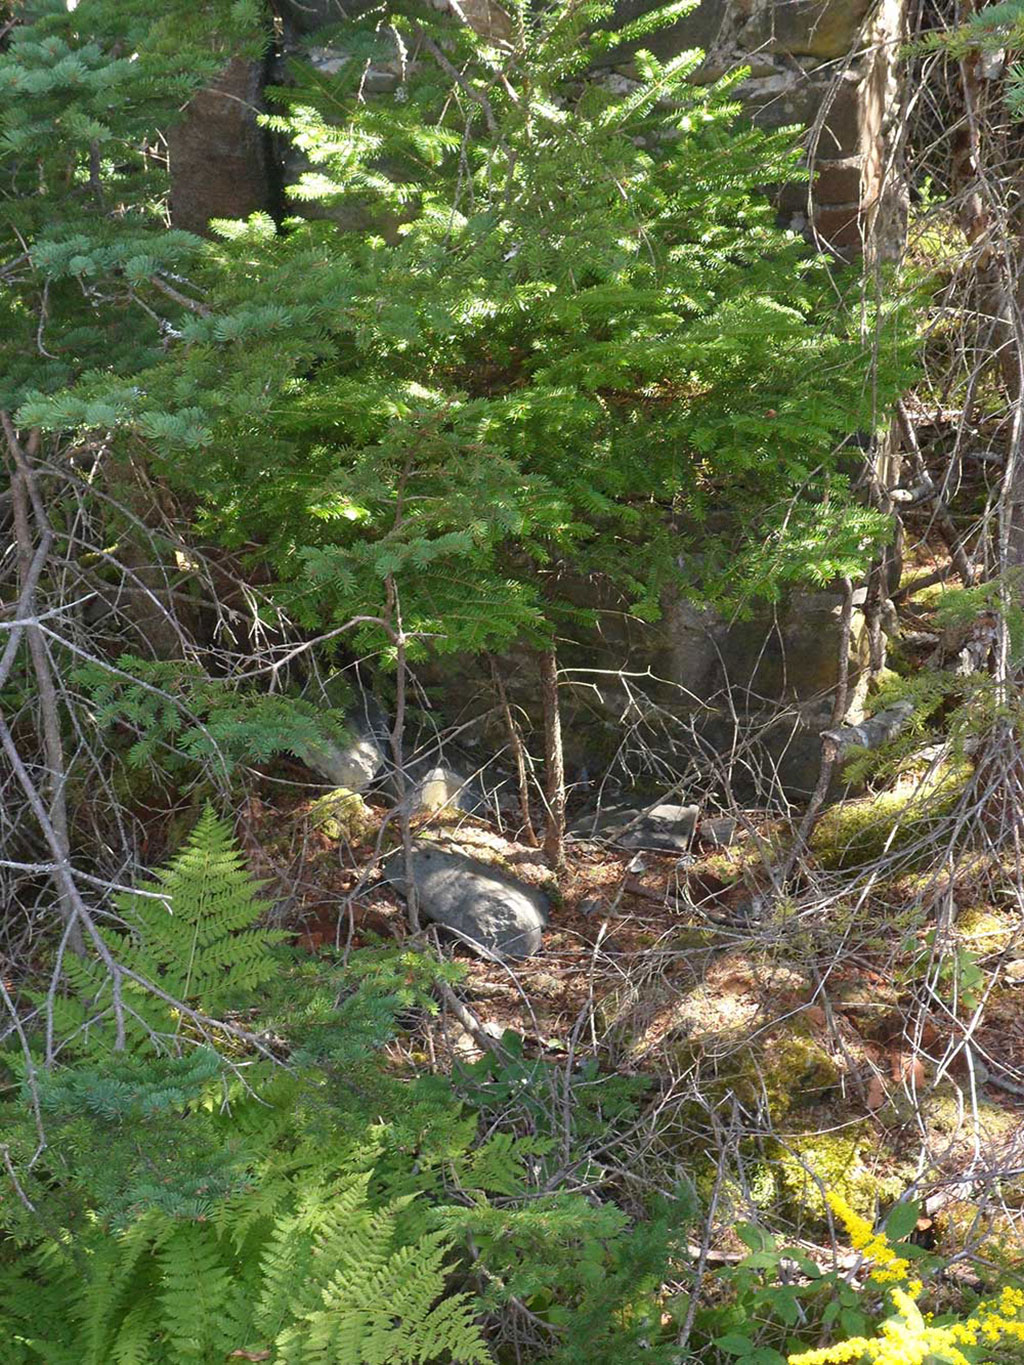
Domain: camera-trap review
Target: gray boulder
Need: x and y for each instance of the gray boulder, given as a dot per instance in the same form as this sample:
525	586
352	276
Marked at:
353	765
493	914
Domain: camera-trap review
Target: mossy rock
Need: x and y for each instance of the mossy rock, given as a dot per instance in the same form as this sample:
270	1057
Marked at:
837	1162
853	833
789	1072
342	815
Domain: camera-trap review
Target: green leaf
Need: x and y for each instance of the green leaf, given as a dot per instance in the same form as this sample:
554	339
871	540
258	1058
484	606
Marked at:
735	1345
761	1260
902	1220
808	1267
754	1237
853	1322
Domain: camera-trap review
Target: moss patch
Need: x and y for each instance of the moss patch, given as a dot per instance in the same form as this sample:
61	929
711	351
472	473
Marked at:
836	1161
342	815
852	833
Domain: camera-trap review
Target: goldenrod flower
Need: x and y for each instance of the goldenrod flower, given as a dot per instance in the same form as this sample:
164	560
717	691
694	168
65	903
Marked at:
887	1266
909	1339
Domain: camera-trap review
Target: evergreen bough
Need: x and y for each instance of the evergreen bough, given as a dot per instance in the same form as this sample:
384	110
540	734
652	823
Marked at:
570	342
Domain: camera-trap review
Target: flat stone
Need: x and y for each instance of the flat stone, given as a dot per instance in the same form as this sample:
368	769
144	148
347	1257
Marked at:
719	832
669	828
491	913
663	829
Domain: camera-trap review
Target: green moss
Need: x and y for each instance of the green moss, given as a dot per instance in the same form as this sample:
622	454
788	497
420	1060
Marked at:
553	891
342	815
947	1119
852	833
788	1072
885	677
983	930
784	1074
835	1161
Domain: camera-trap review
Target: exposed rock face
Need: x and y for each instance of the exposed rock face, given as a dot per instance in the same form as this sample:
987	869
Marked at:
492	914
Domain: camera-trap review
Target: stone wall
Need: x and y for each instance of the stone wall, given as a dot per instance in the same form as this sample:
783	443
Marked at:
222	161
831	67
827	65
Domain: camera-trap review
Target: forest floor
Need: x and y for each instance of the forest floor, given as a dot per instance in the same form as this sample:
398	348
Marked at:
842	1055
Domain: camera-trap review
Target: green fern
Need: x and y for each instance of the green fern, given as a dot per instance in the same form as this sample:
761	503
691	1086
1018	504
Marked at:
193	933
370	1301
320	1274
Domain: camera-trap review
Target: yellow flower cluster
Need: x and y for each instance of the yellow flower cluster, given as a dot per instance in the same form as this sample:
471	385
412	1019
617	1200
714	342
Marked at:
887	1267
909	1338
1000	1319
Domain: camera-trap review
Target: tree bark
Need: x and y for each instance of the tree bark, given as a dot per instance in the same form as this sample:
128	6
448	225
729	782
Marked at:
515	740
554	763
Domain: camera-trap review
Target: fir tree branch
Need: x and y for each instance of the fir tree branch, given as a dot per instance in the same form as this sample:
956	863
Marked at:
193	305
454	74
12	1175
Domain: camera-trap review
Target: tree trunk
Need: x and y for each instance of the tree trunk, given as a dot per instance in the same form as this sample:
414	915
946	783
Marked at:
515	740
554	764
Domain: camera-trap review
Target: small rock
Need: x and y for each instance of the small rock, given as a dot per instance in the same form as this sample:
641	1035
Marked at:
1014	971
752	907
443	789
493	914
465	1046
719	832
665	828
